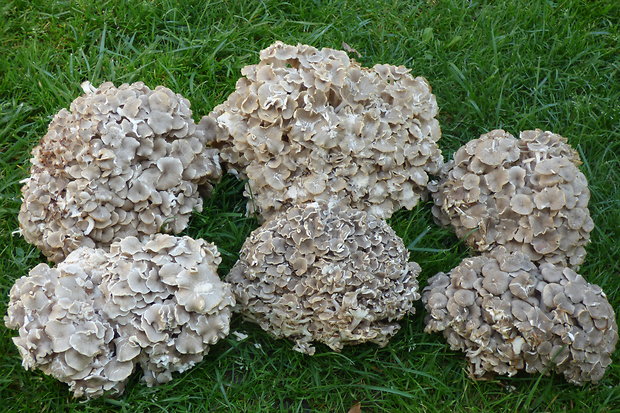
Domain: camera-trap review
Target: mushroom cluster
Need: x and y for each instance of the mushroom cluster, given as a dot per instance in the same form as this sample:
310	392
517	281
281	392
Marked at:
306	124
88	321
509	314
124	161
325	272
526	194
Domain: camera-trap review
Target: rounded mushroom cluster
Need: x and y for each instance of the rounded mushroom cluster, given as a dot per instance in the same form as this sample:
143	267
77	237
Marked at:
123	161
327	273
307	124
93	317
526	194
508	314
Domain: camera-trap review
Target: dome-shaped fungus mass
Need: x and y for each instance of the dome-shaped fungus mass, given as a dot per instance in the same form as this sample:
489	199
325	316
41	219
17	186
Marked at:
123	161
88	322
509	314
526	194
307	124
327	273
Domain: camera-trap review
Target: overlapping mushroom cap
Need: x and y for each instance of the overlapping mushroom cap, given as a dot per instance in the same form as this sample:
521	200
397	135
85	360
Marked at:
123	161
526	194
167	301
327	273
307	124
91	319
62	330
509	314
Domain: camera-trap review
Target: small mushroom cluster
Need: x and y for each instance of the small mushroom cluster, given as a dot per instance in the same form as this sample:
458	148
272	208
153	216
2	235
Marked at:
87	322
306	124
123	161
325	272
508	313
526	194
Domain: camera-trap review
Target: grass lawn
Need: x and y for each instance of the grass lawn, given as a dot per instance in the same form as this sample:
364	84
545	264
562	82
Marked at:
514	65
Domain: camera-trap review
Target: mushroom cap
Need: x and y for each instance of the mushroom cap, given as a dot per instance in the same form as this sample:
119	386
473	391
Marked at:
121	161
539	317
306	124
157	302
525	194
325	272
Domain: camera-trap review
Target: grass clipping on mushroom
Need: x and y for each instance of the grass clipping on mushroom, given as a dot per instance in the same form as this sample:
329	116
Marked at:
327	273
90	320
509	314
306	124
526	194
123	161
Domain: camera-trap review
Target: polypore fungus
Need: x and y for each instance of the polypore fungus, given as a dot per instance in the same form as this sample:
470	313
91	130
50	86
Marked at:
123	161
307	124
91	319
526	194
328	273
509	314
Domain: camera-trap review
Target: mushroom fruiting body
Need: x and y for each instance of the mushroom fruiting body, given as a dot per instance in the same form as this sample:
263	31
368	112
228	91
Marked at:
328	273
88	321
509	314
526	194
123	161
307	124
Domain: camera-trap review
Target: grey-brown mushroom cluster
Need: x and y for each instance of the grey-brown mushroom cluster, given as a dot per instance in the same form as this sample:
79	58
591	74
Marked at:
306	124
92	318
509	314
526	194
123	161
325	272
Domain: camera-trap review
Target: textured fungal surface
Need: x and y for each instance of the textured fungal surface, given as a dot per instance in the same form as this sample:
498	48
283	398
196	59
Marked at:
327	273
90	320
526	194
508	314
307	124
167	301
122	161
62	330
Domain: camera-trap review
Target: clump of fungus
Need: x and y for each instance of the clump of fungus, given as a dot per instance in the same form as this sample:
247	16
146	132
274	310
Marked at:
328	273
526	194
123	161
509	314
89	321
307	124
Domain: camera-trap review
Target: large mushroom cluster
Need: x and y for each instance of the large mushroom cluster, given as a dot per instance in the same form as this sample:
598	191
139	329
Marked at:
329	150
87	322
509	314
328	273
526	194
306	124
123	161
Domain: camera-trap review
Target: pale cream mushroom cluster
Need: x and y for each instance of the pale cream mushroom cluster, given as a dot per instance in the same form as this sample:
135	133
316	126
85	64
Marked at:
87	322
509	314
324	272
306	124
526	194
123	161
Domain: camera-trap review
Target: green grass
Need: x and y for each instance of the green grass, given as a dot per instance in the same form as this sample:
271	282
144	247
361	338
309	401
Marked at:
514	65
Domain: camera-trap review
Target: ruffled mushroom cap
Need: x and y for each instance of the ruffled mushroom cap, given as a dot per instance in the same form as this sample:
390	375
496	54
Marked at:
167	301
62	330
328	273
526	194
91	319
123	161
509	314
307	124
